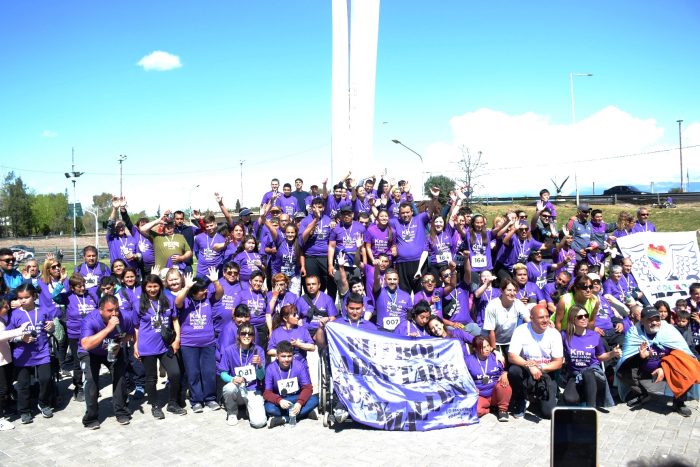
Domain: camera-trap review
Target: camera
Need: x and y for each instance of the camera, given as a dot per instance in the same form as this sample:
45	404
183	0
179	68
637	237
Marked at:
31	332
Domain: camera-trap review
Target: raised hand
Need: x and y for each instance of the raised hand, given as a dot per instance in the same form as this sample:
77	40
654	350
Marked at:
115	202
212	274
155	270
189	280
219	199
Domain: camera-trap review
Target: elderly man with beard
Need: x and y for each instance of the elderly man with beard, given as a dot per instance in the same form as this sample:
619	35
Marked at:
650	347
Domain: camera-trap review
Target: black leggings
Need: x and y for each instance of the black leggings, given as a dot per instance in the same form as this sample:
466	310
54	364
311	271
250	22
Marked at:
5	384
150	365
587	389
24	374
77	372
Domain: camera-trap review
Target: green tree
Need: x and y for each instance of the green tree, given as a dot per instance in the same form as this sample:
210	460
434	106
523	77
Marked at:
446	184
473	167
50	213
16	207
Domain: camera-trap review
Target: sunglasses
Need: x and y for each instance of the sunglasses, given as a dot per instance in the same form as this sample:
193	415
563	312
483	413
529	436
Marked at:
429	281
644	215
8	260
246	334
581	316
55	266
585	287
545	216
234	273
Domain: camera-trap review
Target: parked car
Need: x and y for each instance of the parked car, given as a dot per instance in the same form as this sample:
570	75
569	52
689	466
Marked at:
623	190
22	252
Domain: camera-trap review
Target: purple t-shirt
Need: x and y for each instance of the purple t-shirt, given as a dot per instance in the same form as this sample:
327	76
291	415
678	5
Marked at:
410	237
36	353
257	303
76	310
442	249
361	324
223	309
247	261
283	334
144	245
392	307
531	292
603	319
92	324
234	358
289	205
285	259
518	251
483	301
459	312
93	275
617	290
119	247
345	237
361	205
480	250
656	353
537	273
436	306
379	239
333	206
324	305
646	227
317	243
206	255
407	328
581	353
288	298
296	371
149	325
197	322
45	299
484	373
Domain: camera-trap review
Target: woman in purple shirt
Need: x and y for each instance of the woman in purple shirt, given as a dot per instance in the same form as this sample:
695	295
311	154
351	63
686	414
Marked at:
31	352
480	243
278	297
436	328
490	378
288	326
441	246
248	258
585	380
287	251
194	306
155	313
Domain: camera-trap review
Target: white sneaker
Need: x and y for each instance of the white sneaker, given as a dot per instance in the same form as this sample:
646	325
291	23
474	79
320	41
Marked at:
232	420
5	425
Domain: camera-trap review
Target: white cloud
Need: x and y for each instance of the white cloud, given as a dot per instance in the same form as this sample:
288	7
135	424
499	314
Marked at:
49	134
160	61
525	151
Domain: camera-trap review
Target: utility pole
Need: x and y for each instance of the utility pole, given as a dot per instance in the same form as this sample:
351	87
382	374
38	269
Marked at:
121	159
680	151
242	161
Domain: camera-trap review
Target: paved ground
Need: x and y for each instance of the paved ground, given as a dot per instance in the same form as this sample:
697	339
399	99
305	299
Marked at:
205	439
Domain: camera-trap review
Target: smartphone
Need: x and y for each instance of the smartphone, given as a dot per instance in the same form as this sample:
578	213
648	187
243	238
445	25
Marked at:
574	440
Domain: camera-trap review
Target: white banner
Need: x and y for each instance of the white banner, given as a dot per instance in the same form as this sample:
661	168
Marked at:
663	263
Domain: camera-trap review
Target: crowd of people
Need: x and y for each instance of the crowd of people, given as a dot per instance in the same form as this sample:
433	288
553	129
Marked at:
546	312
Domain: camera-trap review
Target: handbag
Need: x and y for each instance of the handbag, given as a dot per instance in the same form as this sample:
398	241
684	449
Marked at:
167	333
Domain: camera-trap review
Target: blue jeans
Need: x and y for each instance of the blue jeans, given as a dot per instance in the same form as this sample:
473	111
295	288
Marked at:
274	410
200	367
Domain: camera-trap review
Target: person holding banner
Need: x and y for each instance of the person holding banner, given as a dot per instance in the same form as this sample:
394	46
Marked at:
415	324
355	311
392	304
490	378
288	389
436	327
241	367
536	350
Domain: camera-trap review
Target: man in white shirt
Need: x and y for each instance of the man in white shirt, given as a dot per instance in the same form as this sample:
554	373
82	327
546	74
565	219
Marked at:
536	350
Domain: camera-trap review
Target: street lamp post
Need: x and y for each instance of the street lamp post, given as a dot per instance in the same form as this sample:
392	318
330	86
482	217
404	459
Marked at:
573	121
241	200
396	141
121	159
73	177
680	152
190	198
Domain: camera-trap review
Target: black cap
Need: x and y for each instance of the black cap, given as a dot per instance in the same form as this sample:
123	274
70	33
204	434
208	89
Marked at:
649	312
346	209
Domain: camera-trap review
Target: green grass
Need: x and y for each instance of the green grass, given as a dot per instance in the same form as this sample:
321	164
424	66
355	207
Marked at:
685	217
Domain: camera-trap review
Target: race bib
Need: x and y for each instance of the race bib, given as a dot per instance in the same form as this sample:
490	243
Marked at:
247	372
287	270
90	281
288	386
390	322
445	257
479	261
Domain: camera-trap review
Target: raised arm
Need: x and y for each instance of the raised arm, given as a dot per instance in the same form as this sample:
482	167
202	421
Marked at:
224	211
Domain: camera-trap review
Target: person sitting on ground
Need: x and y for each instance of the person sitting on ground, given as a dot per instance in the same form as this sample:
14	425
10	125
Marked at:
503	315
645	355
288	389
535	352
415	324
490	378
241	368
584	350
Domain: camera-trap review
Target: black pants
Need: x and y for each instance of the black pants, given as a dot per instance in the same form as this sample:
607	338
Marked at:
407	281
91	364
63	359
150	365
77	372
586	390
135	374
524	386
23	375
318	266
6	372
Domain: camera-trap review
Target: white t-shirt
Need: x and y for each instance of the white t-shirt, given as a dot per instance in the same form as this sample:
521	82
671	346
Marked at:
541	348
503	321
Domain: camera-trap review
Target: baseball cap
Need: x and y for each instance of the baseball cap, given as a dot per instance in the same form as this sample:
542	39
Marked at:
649	312
593	276
583	207
245	212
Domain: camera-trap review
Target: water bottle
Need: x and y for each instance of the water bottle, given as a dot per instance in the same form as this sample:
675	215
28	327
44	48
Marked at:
112	351
292	421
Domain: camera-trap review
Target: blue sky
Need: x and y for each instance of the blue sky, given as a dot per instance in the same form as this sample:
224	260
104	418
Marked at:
255	85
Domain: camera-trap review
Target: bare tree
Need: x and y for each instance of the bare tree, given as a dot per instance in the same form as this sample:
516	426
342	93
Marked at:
472	167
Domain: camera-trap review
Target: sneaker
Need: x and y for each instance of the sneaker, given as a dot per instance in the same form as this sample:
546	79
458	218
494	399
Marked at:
275	421
46	412
232	419
639	400
138	393
340	415
79	396
27	418
93	425
312	415
212	405
176	409
66	373
157	413
519	408
197	407
5	425
680	407
502	416
123	420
